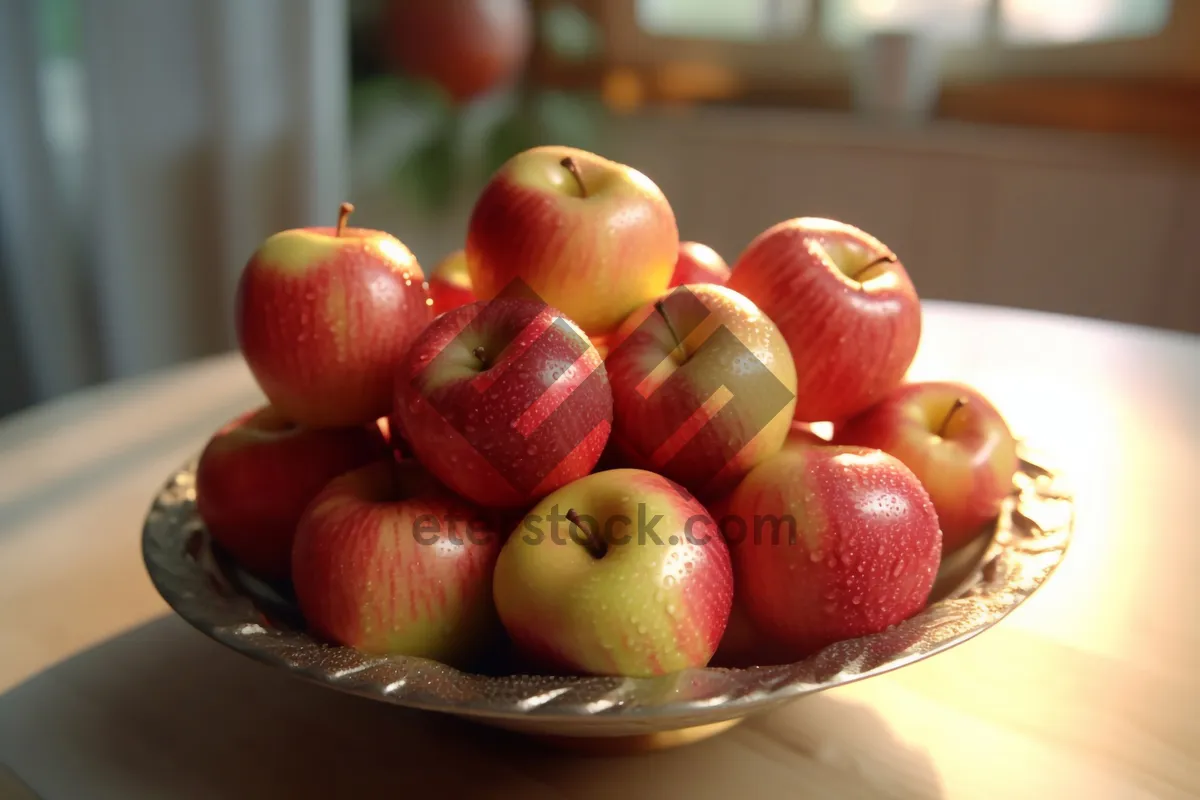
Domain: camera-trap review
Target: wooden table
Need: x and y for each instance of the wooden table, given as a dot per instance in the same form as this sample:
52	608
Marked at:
1089	690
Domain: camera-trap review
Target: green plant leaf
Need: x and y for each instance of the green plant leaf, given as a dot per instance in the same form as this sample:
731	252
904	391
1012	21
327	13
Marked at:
571	119
514	132
428	176
397	91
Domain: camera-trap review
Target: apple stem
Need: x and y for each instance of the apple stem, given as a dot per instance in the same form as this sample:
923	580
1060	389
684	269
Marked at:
569	164
958	403
479	352
890	258
593	544
662	312
343	214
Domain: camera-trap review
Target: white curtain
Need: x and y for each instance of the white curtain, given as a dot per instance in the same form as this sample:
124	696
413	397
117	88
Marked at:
138	173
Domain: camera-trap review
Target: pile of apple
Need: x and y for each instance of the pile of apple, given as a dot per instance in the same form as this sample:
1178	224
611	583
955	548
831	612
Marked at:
590	445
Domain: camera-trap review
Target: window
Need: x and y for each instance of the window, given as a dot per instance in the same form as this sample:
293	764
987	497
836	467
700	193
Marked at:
846	22
1071	21
712	19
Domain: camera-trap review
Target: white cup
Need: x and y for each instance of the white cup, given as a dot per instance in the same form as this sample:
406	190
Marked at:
897	77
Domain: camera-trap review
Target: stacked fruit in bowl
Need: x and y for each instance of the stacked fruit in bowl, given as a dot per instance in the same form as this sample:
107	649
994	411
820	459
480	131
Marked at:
590	447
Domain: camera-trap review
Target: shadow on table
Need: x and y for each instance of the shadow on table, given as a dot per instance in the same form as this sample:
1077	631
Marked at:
162	711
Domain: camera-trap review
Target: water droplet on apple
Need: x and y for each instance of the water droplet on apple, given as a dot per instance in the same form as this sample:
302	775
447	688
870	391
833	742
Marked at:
407	282
428	301
845	559
671	609
832	562
301	338
897	569
531	450
406	276
688	565
860	569
856	599
669	580
815	556
881	550
641	629
468	429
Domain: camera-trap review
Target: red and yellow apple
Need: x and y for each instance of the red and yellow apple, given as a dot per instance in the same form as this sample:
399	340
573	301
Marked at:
465	47
504	401
830	543
257	474
324	315
699	263
591	237
618	573
703	387
845	305
450	283
387	561
954	441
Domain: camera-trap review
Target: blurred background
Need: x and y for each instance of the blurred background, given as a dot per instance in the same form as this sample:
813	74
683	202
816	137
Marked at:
1032	153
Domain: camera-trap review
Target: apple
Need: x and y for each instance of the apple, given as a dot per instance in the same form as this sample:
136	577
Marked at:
324	314
618	573
845	305
465	47
504	401
743	645
830	543
954	441
388	561
393	437
450	283
603	344
703	387
591	237
802	434
259	471
699	263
